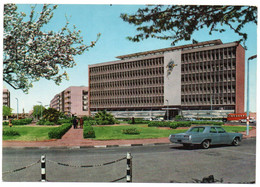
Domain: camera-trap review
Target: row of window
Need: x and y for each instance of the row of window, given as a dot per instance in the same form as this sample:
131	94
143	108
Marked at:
144	101
209	77
128	74
208	99
128	65
215	54
128	92
208	88
128	83
208	66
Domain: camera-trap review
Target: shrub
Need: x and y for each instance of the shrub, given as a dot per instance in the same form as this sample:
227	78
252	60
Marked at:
104	118
177	124
90	122
49	123
58	132
88	131
130	131
61	121
41	122
5	123
11	133
25	121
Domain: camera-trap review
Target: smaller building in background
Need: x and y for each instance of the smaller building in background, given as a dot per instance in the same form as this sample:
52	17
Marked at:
72	101
6	97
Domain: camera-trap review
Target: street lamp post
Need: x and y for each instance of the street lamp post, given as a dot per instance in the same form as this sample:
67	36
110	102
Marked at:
17	107
247	97
41	107
167	109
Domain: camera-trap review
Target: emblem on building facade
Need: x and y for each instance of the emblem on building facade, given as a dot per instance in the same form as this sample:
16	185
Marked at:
170	67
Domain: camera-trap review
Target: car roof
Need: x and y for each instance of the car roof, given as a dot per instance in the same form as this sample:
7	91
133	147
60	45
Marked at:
206	126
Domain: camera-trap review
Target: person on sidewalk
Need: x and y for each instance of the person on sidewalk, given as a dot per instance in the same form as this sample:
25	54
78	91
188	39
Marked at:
81	122
75	122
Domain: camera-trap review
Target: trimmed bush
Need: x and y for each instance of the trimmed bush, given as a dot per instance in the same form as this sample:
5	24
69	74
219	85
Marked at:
11	133
131	131
22	121
88	131
5	123
58	132
177	124
49	123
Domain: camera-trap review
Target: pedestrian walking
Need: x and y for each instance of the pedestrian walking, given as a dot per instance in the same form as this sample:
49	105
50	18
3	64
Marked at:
81	122
75	122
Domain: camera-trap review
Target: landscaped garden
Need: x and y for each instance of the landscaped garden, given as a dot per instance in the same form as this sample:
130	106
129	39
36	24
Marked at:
103	127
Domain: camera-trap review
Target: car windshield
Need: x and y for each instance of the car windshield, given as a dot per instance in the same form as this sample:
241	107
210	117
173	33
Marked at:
196	129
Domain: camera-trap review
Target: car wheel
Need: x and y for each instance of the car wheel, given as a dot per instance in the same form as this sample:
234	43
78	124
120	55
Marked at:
205	144
235	141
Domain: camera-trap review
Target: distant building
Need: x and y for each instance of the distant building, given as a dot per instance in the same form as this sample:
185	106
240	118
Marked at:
72	101
196	80
6	97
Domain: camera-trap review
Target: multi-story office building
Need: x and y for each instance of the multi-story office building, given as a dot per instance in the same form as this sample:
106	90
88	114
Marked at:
6	97
72	101
196	79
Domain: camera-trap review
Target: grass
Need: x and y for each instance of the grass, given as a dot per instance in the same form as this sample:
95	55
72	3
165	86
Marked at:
105	132
235	128
115	132
28	133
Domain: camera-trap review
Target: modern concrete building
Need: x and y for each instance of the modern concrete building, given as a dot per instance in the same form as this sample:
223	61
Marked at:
197	80
72	101
6	97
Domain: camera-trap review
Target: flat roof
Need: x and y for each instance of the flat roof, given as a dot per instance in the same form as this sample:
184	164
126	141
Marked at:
188	46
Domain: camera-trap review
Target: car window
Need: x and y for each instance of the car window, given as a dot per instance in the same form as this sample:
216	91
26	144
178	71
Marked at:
220	130
197	129
213	130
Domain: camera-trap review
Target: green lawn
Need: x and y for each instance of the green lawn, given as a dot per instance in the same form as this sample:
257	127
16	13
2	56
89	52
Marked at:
235	128
115	132
28	133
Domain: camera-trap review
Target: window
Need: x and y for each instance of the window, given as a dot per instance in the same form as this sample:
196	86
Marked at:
220	130
197	129
213	130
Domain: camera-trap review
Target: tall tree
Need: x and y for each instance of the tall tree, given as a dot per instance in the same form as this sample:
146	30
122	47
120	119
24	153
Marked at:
38	111
7	111
30	53
182	21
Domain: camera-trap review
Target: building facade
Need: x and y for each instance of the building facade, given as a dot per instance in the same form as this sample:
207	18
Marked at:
207	77
6	97
72	101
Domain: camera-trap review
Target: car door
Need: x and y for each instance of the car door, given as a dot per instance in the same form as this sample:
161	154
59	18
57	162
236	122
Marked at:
223	135
215	139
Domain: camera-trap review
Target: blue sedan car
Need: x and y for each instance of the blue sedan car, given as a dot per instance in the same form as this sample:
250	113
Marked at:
206	136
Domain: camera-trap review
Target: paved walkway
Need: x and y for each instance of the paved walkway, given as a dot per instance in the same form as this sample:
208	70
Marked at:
74	138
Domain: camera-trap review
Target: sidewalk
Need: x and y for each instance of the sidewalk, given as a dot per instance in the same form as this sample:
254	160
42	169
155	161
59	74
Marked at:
74	139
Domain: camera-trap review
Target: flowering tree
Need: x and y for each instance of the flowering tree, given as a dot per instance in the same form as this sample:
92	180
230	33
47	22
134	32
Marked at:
31	53
179	22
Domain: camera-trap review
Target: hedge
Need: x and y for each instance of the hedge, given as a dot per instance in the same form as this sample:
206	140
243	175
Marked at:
25	121
5	123
11	133
131	131
58	132
88	131
177	124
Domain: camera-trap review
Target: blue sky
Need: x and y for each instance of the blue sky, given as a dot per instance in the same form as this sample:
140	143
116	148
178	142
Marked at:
105	19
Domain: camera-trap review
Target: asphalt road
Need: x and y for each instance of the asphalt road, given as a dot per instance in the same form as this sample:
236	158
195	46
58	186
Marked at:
156	164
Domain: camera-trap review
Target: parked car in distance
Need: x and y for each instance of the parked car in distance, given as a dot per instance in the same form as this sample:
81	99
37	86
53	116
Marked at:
206	136
251	120
190	119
